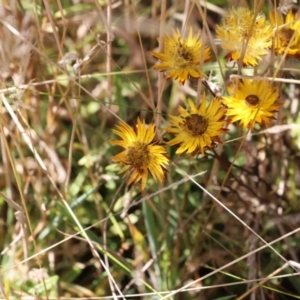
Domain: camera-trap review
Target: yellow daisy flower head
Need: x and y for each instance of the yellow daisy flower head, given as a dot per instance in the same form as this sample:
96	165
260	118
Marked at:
246	36
181	57
197	128
251	102
287	35
142	155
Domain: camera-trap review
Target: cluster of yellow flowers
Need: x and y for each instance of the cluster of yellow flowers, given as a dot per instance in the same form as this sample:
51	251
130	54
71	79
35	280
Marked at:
247	37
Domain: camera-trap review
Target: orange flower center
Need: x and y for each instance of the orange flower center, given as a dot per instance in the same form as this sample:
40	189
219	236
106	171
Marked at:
247	33
252	100
184	55
285	35
196	124
138	155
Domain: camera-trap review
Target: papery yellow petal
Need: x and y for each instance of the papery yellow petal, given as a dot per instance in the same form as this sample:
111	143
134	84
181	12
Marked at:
181	57
142	154
239	108
197	127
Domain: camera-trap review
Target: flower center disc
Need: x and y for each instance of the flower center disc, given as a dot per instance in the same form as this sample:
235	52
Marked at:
196	124
138	156
184	55
252	100
285	35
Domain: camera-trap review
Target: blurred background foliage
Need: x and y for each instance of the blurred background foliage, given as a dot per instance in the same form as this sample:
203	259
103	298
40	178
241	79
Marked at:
86	64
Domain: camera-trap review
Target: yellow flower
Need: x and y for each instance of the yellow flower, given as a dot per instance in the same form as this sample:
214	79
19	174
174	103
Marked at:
198	127
245	36
287	31
251	101
182	57
142	154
